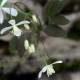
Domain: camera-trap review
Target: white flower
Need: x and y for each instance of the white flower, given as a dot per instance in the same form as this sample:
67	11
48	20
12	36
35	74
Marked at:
34	18
16	31
11	11
49	69
32	49
26	44
26	26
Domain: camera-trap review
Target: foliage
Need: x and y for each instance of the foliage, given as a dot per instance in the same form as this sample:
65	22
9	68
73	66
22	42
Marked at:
52	19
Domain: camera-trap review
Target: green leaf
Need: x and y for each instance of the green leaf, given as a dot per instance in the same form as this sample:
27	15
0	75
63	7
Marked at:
13	44
58	20
21	48
54	31
0	1
53	7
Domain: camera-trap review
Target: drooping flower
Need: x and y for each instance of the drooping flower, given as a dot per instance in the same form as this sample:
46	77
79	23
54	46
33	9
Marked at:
34	18
16	31
11	11
31	48
49	69
26	44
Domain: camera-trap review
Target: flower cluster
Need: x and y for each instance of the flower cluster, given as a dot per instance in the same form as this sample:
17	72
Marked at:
13	12
17	32
30	48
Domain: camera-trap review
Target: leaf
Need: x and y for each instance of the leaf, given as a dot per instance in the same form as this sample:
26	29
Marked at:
58	20
53	7
54	31
13	44
0	1
21	48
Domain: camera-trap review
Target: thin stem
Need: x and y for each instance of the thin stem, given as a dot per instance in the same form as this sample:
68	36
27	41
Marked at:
21	11
10	13
45	49
40	23
25	13
19	7
41	55
17	61
35	26
19	3
10	10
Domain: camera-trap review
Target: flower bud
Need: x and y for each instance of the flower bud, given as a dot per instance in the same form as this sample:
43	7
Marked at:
34	18
26	26
32	49
26	44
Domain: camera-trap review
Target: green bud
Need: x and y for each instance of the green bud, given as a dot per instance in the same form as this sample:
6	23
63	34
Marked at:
26	27
34	18
26	44
32	48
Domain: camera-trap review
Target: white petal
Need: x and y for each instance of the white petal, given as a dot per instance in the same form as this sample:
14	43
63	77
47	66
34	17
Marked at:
50	66
3	2
43	70
17	33
12	22
57	62
11	11
40	74
22	22
5	29
1	17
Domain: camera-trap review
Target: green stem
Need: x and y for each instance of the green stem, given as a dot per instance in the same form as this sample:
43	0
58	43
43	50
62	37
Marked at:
41	55
10	13
25	13
35	26
17	61
45	49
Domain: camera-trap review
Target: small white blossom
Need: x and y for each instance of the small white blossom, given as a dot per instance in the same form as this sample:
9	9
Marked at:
16	31
26	44
31	48
26	26
11	11
34	18
49	69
